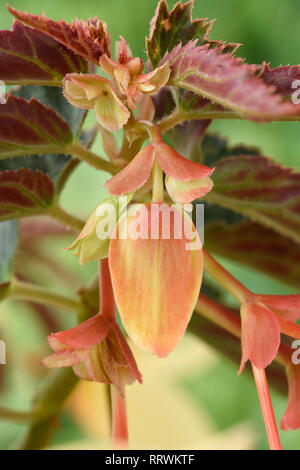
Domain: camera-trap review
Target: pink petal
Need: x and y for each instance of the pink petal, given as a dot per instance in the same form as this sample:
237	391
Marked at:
291	417
85	335
260	335
175	165
134	175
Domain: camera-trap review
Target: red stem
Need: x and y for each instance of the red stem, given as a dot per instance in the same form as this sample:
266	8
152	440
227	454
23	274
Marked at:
267	408
106	293
119	420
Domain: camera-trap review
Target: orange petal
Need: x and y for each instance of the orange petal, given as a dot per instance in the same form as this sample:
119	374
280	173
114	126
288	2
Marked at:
260	335
134	175
291	417
156	281
184	192
178	167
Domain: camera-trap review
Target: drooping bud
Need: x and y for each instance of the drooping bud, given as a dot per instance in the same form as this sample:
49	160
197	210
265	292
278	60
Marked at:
156	266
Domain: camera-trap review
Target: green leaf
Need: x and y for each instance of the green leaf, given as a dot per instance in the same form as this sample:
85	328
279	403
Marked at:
168	28
8	244
260	189
271	253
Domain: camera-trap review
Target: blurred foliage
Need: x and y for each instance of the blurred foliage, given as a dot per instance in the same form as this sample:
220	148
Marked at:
268	30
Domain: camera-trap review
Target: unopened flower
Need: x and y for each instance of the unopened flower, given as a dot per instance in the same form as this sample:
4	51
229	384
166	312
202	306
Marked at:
93	241
262	320
89	91
127	72
185	181
156	265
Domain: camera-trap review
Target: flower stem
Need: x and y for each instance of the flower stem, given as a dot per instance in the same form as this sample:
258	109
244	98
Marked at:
41	295
107	301
119	420
267	408
77	150
225	279
179	116
65	218
16	416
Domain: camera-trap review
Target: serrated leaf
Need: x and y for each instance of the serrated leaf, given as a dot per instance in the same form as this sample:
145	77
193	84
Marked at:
260	189
24	192
52	164
29	127
281	77
89	38
271	253
8	244
168	28
28	56
227	81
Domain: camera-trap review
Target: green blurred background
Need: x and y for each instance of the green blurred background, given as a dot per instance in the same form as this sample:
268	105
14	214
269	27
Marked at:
269	30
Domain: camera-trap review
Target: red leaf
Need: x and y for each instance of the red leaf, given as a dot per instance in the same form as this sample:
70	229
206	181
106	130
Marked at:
39	128
281	77
24	192
227	81
28	56
89	38
271	253
261	189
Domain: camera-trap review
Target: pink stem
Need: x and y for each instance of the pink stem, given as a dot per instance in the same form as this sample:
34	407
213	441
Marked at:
119	420
267	408
106	293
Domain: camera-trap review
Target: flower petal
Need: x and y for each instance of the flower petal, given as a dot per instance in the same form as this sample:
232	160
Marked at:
110	111
184	192
291	417
134	175
156	280
153	81
65	358
85	335
281	302
127	353
81	90
178	167
260	335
